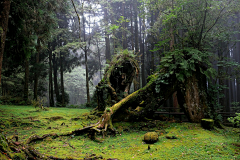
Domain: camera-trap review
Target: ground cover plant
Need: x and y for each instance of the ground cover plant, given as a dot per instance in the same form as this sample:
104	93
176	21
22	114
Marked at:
190	140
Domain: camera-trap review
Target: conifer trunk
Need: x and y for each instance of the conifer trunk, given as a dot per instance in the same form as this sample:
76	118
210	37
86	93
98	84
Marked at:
26	78
36	73
107	41
4	14
56	89
62	81
50	80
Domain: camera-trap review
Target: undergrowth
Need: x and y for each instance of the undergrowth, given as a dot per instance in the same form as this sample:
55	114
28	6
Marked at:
193	142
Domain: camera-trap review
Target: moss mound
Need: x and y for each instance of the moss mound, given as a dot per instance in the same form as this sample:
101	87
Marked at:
150	137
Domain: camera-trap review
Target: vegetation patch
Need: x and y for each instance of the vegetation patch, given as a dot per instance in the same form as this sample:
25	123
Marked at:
191	140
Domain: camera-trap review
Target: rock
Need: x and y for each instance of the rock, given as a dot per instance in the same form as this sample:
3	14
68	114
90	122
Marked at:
150	137
171	137
207	123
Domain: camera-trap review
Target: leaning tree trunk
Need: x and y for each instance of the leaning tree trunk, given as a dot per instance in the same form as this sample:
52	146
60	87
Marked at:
143	103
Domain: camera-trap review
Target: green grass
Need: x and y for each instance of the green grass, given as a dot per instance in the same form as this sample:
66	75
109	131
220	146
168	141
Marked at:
193	141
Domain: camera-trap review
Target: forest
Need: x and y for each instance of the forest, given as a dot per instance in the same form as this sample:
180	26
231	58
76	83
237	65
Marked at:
119	79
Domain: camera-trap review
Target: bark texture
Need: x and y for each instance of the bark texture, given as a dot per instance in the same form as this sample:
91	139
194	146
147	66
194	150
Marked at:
192	97
4	13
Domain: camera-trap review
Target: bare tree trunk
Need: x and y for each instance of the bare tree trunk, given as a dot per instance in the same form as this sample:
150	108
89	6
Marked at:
124	41
131	19
26	78
99	59
86	62
142	52
152	68
36	74
137	79
4	14
62	81
107	41
56	89
50	80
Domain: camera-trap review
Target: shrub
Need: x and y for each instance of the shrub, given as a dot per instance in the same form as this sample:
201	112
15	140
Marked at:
37	103
235	120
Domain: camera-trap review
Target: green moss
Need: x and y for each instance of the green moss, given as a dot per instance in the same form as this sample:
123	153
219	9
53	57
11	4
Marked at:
193	141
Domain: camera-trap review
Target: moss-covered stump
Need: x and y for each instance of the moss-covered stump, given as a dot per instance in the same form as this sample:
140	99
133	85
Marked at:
207	123
150	137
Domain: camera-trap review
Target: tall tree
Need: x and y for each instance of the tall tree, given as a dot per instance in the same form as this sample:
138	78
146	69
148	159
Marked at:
51	100
4	14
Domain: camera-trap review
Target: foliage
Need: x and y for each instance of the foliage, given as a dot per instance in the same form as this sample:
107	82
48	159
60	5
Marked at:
235	120
8	100
214	94
38	103
195	23
181	63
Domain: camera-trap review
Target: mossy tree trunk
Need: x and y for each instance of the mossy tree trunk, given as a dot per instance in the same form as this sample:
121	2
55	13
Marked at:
146	97
192	97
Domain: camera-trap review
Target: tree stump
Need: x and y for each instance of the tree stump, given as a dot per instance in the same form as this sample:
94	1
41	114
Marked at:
207	123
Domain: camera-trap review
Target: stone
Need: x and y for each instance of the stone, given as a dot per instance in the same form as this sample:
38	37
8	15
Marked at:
150	137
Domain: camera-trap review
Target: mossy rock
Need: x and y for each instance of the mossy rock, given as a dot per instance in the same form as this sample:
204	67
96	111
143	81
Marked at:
150	137
207	123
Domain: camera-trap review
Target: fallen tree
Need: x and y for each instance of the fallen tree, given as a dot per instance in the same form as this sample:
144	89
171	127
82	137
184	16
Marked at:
183	72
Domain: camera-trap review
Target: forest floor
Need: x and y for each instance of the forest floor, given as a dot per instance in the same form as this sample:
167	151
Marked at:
193	142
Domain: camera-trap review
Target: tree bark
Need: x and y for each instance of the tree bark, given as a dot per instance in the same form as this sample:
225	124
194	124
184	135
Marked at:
36	74
136	79
4	14
86	62
25	96
124	41
51	99
142	52
55	76
107	41
131	19
192	97
62	81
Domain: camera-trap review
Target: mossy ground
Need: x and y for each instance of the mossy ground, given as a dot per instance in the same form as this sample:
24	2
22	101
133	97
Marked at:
193	142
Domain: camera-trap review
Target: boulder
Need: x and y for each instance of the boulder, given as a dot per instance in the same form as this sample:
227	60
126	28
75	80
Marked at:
150	137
